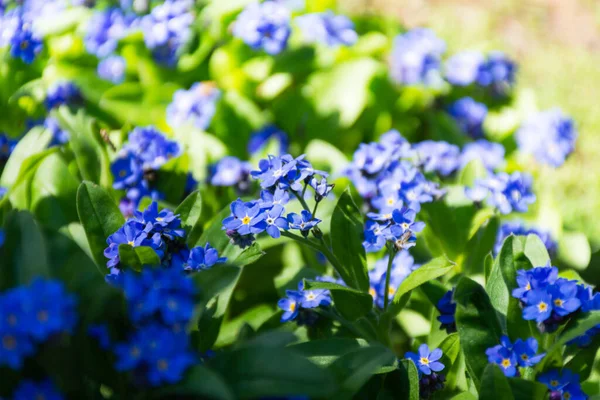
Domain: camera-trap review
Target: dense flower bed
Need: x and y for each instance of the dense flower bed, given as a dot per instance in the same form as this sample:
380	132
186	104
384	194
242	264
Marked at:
238	199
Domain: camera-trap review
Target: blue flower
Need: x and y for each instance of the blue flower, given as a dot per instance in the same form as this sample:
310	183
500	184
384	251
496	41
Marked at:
539	305
313	298
195	107
230	171
131	233
526	352
518	228
151	147
246	218
275	221
7	145
259	140
375	236
14	348
505	192
273	170
505	358
303	222
163	222
441	157
203	258
549	136
264	26
462	69
327	28
498	73
167	29
290	305
278	197
62	93
564	297
25	44
112	69
101	333
563	385
321	188
535	278
405	218
44	390
415	57
469	116
426	361
104	30
490	154
447	307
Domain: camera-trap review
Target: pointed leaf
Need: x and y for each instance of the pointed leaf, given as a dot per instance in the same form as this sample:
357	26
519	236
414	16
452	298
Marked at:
351	303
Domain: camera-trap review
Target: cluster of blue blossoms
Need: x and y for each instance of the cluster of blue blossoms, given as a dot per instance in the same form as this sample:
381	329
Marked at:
195	107
16	31
549	136
504	192
299	305
509	356
402	266
562	384
267	26
428	366
279	177
550	300
519	228
160	230
495	72
469	116
32	315
134	170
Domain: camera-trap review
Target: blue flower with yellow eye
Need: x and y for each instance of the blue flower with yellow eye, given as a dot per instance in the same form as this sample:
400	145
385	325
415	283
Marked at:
163	222
304	222
203	258
427	361
290	305
131	233
526	352
246	218
503	356
539	306
564	297
563	384
127	171
275	221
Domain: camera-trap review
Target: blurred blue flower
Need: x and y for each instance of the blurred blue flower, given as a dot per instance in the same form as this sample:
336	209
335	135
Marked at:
260	139
498	73
490	154
7	145
402	266
104	30
264	26
25	44
549	136
462	69
327	28
447	307
519	228
203	258
505	192
438	156
469	116
112	69
415	57
62	93
126	171
59	135
43	390
426	361
195	106
230	171
101	333
151	147
303	222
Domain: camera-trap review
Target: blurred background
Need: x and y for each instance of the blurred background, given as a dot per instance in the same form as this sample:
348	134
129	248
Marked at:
557	46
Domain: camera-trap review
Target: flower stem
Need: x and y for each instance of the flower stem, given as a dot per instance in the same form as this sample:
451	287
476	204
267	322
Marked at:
386	297
301	200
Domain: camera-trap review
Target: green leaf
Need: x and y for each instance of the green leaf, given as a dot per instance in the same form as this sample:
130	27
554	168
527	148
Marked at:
137	257
34	142
208	327
527	390
202	382
452	225
430	271
574	249
172	177
353	370
583	361
471	172
477	324
409	381
494	385
190	211
454	362
323	352
269	372
346	240
100	217
25	256
351	303
536	251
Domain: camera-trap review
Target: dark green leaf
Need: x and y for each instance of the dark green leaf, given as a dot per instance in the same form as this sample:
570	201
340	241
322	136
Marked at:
199	381
208	327
100	218
190	211
583	361
351	303
347	237
25	256
536	251
478	325
172	177
137	257
325	351
494	385
527	390
409	381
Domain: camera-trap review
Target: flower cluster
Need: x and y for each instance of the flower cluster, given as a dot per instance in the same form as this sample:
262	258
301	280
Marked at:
327	28
428	366
415	57
112	69
549	136
160	230
62	93
16	31
509	356
279	177
562	385
402	266
496	72
195	107
298	303
45	390
160	302
469	115
397	228
550	300
264	26
505	192
148	149
518	228
104	30
447	308
167	29
490	154
231	171
31	315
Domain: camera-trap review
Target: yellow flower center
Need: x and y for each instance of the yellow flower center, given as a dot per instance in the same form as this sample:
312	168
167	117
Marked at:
524	357
293	306
122	173
528	287
311	296
566	395
424	361
558	302
246	220
159	219
372	292
391	290
553	383
390	201
542	306
506	363
130	243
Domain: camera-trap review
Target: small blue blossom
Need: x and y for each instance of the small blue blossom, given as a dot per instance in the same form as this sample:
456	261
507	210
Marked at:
375	236
313	298
43	390
303	222
25	44
427	361
490	154
539	306
112	69
415	57
195	107
246	218
469	116
562	385
327	28
505	192
462	69
259	140
498	73
203	258
549	136
447	308
62	93
104	30
163	222
131	233
151	147
101	333
272	170
290	305
535	278
275	221
526	352
564	297
504	356
7	145
231	171
440	157
321	188
264	26
278	197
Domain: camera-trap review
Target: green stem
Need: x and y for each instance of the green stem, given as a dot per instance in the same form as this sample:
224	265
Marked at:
302	240
391	255
314	212
301	200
